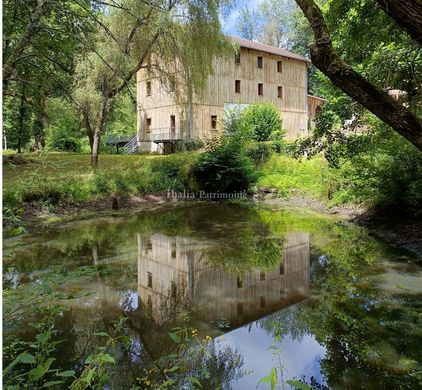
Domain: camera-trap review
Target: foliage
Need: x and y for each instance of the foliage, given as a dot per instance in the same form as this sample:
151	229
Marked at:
64	131
310	177
30	363
195	362
261	121
189	145
224	168
386	173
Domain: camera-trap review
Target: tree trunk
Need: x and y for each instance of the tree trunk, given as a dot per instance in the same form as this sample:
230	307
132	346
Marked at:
40	124
407	13
95	148
21	120
99	127
88	129
353	84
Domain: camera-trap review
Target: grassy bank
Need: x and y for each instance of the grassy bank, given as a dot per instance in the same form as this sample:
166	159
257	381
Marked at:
68	178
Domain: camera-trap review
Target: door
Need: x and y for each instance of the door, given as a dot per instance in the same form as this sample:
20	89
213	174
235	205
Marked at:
172	126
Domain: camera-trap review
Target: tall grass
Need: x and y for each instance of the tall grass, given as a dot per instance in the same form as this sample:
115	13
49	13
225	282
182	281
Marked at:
146	176
284	174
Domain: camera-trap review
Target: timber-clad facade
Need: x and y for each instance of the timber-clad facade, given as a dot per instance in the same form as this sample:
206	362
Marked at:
257	73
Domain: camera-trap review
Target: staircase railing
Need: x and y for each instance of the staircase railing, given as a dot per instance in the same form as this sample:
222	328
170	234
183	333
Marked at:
131	146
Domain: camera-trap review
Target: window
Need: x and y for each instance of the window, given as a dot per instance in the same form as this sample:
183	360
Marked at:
280	92
282	269
240	309
173	290
149	279
239	282
173	250
237	86
148	88
213	122
279	66
262	302
260	63
148	125
262	276
260	89
237	58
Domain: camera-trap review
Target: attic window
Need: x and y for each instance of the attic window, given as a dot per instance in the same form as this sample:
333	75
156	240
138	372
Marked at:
237	86
148	125
261	89
260	62
148	88
213	122
279	66
280	92
237	58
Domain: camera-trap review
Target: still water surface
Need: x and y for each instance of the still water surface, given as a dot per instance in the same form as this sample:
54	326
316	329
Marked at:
319	299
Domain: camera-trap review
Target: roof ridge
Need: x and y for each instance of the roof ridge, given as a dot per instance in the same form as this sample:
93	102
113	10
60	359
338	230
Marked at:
254	45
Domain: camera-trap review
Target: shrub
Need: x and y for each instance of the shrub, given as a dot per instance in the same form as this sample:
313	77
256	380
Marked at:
226	168
259	152
189	145
262	121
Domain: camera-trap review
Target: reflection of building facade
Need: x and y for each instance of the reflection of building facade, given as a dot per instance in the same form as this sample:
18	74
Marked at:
174	275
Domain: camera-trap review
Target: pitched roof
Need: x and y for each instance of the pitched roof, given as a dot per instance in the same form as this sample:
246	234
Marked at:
268	49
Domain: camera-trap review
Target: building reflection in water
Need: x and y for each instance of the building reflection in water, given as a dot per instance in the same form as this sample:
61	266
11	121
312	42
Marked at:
175	275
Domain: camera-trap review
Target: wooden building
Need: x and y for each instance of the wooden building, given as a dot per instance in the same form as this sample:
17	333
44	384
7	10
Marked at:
174	275
257	73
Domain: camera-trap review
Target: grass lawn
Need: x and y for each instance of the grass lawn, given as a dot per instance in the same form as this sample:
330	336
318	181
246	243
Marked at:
60	166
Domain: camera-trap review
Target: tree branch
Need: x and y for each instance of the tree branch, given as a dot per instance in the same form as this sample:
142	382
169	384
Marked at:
407	13
353	84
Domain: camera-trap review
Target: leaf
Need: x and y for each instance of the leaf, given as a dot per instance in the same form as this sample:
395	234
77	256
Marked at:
175	337
271	378
101	334
192	379
89	377
105	357
298	385
66	373
39	371
52	383
27	358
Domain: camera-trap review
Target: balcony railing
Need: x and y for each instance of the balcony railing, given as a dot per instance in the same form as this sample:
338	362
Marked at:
163	134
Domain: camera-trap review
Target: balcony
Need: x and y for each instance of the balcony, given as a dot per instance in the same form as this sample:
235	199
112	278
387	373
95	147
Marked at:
162	135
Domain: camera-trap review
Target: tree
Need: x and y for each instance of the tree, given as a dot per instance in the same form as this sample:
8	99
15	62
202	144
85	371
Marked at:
365	92
247	24
153	35
40	39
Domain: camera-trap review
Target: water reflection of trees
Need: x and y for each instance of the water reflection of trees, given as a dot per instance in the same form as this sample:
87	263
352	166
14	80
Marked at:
372	338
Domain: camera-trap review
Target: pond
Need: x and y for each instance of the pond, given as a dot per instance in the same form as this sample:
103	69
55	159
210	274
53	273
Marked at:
314	297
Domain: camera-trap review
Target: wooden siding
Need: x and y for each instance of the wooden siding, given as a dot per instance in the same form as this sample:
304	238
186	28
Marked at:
220	90
211	292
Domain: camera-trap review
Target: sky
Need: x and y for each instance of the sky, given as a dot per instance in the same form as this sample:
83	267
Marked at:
229	23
